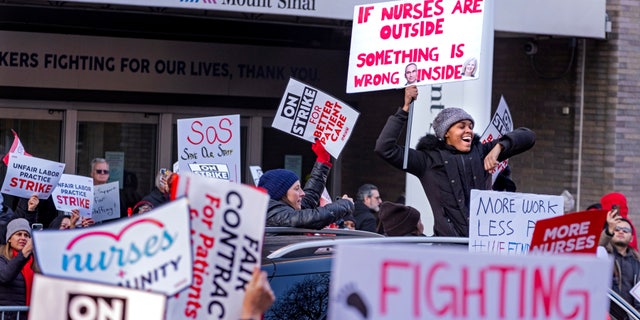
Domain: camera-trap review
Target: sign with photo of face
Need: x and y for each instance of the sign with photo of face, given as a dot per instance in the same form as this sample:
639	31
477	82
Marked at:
400	43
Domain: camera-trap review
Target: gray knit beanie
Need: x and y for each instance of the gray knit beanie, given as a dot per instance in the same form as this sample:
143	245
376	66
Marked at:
448	117
15	225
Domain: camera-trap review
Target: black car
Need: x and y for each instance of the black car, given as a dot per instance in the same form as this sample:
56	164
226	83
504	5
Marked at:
298	263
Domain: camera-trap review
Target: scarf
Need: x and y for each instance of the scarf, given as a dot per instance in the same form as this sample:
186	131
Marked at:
27	273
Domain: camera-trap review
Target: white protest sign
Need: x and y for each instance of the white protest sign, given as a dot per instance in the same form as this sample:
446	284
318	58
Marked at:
28	175
256	173
308	113
176	167
635	291
427	282
106	202
115	159
55	298
501	123
74	192
397	43
16	147
325	198
216	171
227	228
503	222
210	141
146	252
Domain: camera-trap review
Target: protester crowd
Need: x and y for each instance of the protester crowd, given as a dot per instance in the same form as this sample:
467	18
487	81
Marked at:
449	163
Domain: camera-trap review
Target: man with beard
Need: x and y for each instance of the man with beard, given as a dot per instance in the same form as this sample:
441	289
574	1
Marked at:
626	267
367	205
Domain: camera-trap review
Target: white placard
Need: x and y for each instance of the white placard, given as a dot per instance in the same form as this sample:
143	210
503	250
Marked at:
54	298
635	291
501	124
427	282
227	228
503	222
440	37
210	147
28	175
115	159
74	192
150	252
308	113
256	173
106	202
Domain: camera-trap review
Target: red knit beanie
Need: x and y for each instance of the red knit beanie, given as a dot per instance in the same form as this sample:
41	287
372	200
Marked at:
615	198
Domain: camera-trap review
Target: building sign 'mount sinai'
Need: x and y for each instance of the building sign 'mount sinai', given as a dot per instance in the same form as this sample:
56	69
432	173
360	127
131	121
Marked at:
547	17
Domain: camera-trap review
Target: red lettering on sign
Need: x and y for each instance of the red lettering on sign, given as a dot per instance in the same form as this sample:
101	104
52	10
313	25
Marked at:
465	292
468	6
222	133
30	185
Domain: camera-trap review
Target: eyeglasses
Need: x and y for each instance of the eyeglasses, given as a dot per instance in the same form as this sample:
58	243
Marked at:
98	171
623	229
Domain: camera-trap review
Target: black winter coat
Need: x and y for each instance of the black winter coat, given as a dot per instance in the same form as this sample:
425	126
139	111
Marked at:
365	218
45	211
6	215
447	175
311	216
156	197
13	290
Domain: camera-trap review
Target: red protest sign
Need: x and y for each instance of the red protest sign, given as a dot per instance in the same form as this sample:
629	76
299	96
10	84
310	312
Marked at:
577	232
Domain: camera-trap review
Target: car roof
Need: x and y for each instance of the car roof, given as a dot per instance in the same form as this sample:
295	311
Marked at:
291	247
279	237
281	243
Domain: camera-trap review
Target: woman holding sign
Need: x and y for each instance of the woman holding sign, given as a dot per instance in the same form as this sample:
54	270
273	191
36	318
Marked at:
17	265
292	206
450	162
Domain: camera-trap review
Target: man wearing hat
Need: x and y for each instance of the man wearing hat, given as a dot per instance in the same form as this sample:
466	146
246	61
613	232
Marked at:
450	162
292	206
616	238
618	201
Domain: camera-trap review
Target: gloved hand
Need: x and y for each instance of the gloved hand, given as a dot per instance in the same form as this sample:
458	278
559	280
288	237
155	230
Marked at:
321	152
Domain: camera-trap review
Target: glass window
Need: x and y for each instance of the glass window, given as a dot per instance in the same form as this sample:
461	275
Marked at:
40	138
304	297
134	147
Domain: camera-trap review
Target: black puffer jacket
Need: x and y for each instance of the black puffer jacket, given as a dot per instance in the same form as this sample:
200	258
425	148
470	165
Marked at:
447	175
365	218
13	290
6	215
311	216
